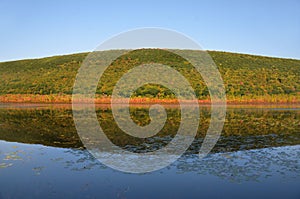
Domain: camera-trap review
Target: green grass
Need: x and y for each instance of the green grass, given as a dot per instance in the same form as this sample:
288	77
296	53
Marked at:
245	76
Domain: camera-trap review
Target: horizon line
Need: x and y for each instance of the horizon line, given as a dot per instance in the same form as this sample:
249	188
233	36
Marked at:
209	50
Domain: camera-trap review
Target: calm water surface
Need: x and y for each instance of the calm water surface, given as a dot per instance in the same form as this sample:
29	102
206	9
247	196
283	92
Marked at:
257	156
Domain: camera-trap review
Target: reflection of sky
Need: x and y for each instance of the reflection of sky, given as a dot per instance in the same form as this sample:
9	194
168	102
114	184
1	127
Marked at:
46	171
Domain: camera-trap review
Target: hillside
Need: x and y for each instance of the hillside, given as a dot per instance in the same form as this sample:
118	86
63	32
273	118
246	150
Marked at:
245	76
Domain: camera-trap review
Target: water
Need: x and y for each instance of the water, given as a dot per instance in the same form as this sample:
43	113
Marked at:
257	156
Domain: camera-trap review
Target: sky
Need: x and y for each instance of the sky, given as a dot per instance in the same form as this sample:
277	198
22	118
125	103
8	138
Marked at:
32	29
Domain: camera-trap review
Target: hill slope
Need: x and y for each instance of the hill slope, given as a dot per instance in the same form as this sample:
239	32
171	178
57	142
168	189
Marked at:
245	76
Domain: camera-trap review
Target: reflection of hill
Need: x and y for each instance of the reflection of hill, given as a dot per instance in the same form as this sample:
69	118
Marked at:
244	128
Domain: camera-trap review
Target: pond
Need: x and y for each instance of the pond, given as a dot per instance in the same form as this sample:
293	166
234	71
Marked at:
257	156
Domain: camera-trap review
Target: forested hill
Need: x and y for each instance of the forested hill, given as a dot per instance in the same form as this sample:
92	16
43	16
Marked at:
245	76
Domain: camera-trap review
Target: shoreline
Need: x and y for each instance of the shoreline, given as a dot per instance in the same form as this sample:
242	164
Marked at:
67	99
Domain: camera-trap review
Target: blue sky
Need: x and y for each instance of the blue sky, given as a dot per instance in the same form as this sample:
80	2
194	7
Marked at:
40	28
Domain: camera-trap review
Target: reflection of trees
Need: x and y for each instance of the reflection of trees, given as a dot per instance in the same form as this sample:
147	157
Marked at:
51	127
244	128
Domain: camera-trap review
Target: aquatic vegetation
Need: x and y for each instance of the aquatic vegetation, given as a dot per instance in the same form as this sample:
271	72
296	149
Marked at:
5	165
